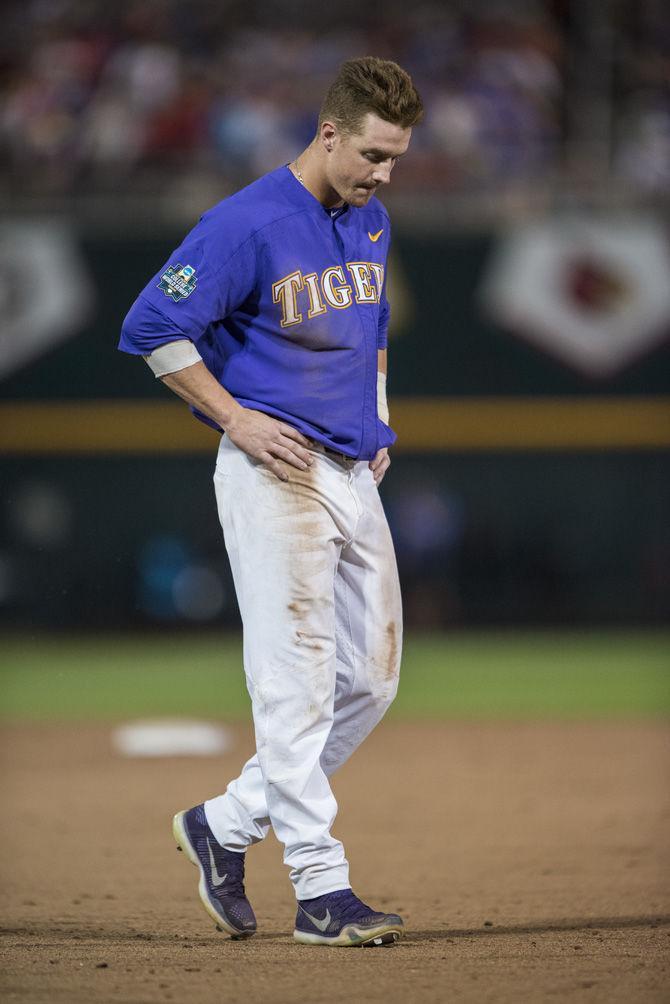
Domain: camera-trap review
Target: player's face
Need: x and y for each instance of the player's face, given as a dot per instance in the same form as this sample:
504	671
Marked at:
361	163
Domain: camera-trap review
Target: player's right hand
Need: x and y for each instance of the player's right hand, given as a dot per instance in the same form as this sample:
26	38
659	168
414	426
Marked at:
270	440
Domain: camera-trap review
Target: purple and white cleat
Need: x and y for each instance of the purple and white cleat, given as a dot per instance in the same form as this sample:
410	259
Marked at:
221	884
341	919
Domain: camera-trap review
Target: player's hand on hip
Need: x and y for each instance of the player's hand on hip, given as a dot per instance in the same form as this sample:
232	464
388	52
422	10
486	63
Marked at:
270	440
380	465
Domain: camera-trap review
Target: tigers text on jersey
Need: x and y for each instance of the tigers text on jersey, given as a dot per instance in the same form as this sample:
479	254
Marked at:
286	303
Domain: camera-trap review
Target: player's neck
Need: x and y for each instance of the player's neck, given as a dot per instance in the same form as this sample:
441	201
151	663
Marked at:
310	173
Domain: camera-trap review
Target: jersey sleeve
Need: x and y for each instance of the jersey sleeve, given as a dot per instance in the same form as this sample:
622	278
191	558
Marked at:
384	316
206	278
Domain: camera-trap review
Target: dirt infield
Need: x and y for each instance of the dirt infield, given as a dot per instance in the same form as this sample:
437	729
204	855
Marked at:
530	862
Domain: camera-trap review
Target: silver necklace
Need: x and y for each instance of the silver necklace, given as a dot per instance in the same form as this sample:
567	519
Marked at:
298	174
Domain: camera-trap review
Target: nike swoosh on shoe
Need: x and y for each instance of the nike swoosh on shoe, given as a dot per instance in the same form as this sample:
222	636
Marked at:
217	879
320	924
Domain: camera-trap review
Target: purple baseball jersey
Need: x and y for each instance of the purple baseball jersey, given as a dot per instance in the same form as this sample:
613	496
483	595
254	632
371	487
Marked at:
285	301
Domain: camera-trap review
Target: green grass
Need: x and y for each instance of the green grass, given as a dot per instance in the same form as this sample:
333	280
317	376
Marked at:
464	675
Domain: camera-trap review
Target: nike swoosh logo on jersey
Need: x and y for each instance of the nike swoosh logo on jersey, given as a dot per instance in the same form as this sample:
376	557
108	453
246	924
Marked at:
217	879
320	924
375	237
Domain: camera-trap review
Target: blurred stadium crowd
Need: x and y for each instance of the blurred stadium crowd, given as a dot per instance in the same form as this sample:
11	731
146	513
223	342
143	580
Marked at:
98	97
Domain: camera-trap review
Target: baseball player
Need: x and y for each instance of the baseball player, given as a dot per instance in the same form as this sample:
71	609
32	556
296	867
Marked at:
270	320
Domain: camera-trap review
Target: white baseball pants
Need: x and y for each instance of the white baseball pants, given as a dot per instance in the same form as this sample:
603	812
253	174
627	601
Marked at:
317	586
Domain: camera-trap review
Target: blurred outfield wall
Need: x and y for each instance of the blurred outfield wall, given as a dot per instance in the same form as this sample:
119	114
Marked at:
523	490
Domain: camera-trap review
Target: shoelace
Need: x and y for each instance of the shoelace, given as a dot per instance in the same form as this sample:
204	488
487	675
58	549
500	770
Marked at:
233	866
351	907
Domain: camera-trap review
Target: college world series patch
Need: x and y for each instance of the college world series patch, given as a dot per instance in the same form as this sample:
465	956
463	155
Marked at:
178	282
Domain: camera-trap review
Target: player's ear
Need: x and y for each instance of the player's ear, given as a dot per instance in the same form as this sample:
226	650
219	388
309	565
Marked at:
328	134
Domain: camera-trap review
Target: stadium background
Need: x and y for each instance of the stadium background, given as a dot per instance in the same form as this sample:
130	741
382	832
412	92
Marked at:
530	488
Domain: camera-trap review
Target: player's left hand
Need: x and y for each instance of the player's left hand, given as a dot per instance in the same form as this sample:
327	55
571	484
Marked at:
380	465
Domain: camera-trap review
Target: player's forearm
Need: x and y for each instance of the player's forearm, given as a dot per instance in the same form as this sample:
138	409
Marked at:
197	387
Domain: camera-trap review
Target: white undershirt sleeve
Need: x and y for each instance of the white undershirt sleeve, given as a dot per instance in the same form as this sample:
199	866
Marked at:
382	404
173	357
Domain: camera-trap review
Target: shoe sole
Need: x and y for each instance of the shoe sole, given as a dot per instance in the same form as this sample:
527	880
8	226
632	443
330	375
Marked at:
352	936
184	844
